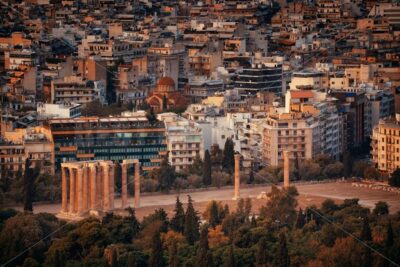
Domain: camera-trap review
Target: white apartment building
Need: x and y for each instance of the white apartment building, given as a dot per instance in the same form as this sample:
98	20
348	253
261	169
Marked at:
63	110
184	141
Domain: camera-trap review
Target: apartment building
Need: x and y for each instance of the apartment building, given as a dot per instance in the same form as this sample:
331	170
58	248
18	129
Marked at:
110	138
12	158
200	87
63	110
76	89
297	133
385	143
184	141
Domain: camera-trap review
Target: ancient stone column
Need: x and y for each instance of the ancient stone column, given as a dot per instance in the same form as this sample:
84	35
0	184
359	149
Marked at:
85	189
71	191
64	206
124	189
106	187
80	189
137	184
93	191
237	177
286	169
112	177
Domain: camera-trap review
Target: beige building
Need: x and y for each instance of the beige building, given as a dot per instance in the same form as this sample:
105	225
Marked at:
385	142
293	132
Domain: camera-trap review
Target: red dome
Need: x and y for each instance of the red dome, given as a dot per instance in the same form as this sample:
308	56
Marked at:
166	81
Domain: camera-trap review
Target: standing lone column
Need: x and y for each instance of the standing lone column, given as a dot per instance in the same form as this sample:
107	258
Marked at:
111	196
64	206
80	189
71	191
286	169
93	191
124	189
237	177
85	189
137	184
106	187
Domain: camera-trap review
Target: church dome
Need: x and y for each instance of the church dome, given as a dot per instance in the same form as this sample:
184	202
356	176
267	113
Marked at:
166	81
165	84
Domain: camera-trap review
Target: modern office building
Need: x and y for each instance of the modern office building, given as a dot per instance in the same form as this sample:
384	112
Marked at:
112	138
260	77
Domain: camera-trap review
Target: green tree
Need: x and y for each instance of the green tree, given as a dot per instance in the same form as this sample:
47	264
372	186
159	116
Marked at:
29	180
196	167
228	160
164	103
389	236
178	221
207	169
394	179
282	258
366	231
216	156
156	255
192	222
347	164
214	218
300	220
381	208
173	260
204	257
166	175
262	257
229	259
366	236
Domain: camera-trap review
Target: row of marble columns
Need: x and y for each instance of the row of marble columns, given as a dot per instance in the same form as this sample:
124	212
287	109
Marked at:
91	186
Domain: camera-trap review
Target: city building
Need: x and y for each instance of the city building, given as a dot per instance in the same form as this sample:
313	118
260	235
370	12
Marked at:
184	141
75	89
385	143
63	110
199	88
260	77
110	138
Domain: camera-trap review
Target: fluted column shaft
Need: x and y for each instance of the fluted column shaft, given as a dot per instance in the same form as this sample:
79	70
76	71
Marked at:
85	189
106	187
111	196
137	184
64	196
124	189
80	189
93	191
286	169
237	176
71	190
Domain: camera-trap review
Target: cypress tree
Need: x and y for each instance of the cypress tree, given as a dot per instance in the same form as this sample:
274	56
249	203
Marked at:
262	255
192	222
165	102
229	259
282	258
173	260
203	251
389	236
156	255
178	221
347	164
207	169
228	160
300	221
214	219
366	231
28	186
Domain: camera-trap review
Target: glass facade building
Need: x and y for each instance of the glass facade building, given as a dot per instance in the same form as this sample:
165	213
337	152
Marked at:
112	138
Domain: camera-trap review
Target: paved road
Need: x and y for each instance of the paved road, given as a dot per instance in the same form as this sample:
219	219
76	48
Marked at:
338	191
